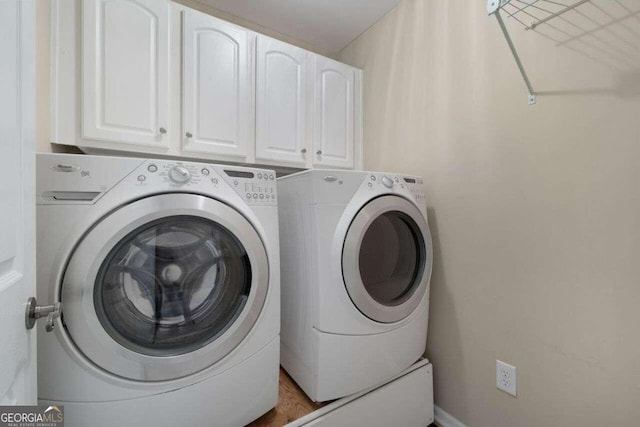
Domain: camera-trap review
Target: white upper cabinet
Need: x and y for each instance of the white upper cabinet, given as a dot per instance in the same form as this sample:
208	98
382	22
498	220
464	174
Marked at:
125	71
281	102
334	114
217	111
156	77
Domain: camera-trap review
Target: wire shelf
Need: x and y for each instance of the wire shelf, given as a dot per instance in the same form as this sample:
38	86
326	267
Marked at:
605	31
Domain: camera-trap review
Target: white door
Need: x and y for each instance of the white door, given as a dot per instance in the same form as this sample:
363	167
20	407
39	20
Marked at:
17	200
334	114
217	94
281	100
125	66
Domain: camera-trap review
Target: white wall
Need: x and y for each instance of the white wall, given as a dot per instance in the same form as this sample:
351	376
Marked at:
535	211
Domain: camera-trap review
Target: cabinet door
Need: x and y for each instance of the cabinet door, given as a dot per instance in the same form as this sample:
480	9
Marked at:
217	90
281	95
333	134
125	67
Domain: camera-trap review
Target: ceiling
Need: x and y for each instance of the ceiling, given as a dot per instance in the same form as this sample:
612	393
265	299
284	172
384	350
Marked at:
327	24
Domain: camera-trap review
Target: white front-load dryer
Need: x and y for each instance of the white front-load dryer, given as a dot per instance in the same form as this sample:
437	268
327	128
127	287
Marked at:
167	273
356	261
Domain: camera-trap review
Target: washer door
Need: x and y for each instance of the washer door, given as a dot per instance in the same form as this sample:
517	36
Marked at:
386	259
165	287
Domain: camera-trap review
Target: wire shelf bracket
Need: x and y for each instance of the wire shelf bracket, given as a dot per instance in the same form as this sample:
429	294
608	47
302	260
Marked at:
606	32
493	8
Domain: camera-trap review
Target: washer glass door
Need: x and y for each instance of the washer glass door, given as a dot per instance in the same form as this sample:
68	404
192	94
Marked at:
172	285
387	259
164	287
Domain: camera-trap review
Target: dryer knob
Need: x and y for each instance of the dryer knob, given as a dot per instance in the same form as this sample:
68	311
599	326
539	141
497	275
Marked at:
387	182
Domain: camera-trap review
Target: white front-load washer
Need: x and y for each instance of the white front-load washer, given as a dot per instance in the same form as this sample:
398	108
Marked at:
167	273
356	261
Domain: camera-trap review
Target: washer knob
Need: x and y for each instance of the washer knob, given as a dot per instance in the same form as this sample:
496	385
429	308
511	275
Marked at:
388	182
179	175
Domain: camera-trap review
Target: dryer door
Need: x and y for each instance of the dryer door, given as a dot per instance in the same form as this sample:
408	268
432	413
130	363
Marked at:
386	259
164	287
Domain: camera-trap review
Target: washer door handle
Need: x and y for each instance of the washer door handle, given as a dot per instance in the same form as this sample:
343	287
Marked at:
35	312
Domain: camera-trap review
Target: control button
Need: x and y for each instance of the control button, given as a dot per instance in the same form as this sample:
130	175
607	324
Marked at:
214	180
255	195
205	171
152	168
259	176
142	178
387	181
373	177
271	177
370	185
179	175
235	182
248	195
266	177
262	196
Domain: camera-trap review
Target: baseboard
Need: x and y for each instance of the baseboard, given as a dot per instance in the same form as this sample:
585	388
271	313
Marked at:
444	419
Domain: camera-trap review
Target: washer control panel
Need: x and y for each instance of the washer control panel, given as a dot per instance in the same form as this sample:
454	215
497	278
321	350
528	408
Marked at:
255	186
175	174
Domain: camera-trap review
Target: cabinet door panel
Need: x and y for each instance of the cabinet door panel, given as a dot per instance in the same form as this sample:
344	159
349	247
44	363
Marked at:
217	117
281	91
125	71
333	141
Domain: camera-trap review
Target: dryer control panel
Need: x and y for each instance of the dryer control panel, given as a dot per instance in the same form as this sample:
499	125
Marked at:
415	185
400	183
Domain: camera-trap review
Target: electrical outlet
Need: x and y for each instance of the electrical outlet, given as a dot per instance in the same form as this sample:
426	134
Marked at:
506	377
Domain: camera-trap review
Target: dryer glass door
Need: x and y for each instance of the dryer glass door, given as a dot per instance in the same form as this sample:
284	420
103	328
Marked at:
387	259
391	258
164	287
